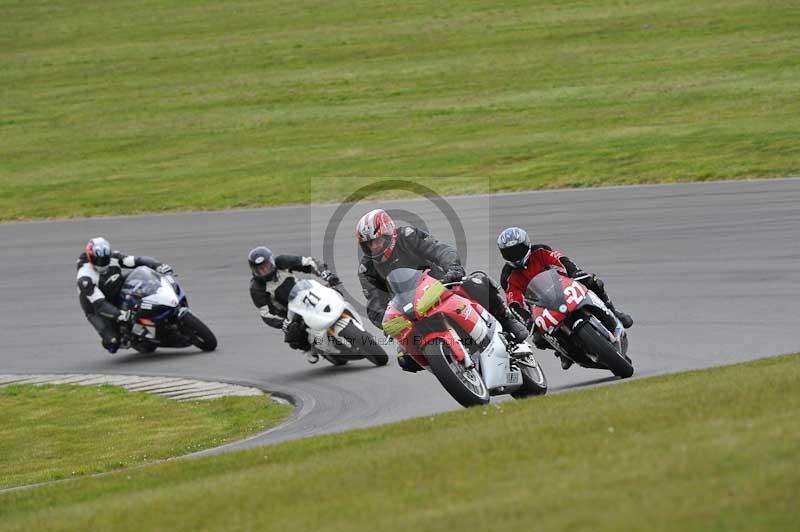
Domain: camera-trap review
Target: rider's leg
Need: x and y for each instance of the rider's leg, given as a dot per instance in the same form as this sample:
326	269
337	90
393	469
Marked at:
105	327
486	292
596	285
108	331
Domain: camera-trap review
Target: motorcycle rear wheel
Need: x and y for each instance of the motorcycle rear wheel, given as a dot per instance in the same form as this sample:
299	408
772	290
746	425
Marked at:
465	385
597	344
534	381
365	345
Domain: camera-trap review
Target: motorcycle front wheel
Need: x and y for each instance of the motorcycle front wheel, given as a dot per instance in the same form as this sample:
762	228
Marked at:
465	385
596	343
200	334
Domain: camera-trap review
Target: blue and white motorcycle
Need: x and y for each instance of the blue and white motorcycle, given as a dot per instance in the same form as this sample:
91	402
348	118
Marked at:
160	315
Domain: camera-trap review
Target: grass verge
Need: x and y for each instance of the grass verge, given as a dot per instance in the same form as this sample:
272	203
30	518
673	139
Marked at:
56	432
132	106
704	450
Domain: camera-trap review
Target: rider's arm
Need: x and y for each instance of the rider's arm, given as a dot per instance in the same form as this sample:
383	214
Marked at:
375	292
443	255
133	261
297	263
263	301
551	258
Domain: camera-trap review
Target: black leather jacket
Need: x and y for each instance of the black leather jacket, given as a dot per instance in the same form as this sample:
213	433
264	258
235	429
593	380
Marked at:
415	249
272	297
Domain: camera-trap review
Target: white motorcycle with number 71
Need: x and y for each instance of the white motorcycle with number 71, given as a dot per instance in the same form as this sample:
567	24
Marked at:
335	330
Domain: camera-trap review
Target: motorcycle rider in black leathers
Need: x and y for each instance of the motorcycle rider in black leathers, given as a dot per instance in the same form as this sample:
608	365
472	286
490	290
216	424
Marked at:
387	247
270	291
100	279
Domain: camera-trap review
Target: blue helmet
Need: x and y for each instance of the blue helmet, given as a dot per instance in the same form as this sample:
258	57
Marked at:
515	246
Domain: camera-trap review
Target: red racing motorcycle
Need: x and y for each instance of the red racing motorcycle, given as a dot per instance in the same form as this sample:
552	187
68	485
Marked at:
576	322
457	340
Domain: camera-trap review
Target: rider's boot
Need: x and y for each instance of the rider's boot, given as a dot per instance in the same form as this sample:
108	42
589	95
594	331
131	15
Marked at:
515	328
598	286
623	317
540	341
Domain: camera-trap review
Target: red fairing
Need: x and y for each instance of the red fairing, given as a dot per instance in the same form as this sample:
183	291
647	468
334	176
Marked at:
457	308
541	259
449	337
574	292
548	319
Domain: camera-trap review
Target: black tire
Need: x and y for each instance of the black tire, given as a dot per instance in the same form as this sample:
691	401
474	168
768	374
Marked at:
444	367
597	344
201	335
534	381
144	347
365	345
335	360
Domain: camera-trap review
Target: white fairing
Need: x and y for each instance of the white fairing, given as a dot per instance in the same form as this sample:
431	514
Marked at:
495	362
496	366
319	306
165	296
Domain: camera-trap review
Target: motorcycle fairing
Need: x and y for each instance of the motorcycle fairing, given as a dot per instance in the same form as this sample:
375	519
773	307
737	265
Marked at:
319	306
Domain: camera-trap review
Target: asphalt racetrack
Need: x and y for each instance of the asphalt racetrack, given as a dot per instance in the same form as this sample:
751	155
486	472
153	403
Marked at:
709	271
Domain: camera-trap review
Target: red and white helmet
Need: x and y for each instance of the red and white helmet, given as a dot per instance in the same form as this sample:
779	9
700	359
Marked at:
377	235
98	252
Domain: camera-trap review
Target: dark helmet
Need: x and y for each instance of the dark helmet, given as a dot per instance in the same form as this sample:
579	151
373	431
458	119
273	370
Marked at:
377	235
98	252
262	263
515	246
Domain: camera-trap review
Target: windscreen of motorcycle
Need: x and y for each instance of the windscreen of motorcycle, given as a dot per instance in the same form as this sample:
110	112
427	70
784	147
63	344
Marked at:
545	290
403	284
141	282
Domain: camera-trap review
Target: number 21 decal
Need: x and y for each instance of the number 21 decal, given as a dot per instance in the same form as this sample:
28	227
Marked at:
575	293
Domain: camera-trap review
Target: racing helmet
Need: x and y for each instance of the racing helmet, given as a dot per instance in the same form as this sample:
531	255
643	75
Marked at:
262	263
515	246
377	235
98	252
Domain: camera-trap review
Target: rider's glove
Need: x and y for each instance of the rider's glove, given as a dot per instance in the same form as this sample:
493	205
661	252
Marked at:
453	275
124	315
317	266
331	278
165	269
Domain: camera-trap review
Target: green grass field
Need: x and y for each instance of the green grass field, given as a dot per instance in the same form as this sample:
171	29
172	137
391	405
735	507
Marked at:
57	432
130	106
705	450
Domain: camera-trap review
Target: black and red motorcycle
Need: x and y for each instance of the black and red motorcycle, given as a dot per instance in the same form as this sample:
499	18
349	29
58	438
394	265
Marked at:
576	322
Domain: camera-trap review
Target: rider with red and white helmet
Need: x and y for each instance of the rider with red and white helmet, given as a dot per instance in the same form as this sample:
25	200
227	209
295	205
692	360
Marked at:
99	284
387	247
